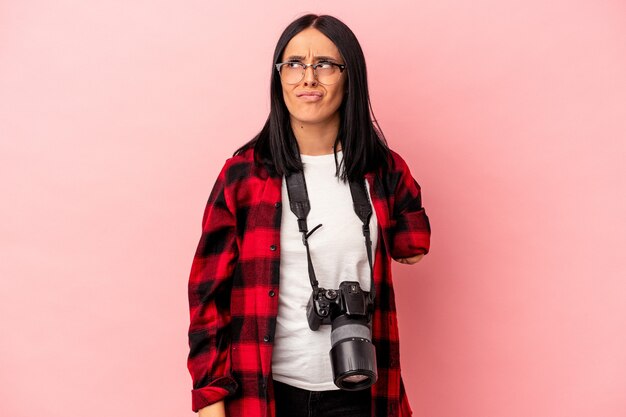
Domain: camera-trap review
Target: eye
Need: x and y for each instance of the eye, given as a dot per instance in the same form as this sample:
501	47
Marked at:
325	65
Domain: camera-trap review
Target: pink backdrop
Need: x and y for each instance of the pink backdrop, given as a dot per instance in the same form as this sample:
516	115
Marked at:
116	116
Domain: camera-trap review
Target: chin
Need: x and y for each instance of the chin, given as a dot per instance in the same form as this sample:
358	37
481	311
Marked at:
312	118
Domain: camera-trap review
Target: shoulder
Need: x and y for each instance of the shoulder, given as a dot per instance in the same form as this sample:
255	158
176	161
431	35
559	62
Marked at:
240	167
396	167
397	162
397	176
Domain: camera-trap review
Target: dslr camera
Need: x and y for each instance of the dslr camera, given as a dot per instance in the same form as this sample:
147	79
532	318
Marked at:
349	311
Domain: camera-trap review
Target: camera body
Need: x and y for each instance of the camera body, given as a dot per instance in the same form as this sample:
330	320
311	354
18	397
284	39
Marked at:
349	311
325	305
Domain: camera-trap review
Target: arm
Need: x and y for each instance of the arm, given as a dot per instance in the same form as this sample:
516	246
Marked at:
209	301
410	225
214	410
410	261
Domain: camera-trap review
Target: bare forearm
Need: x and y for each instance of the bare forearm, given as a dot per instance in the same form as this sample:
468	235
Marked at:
410	261
213	410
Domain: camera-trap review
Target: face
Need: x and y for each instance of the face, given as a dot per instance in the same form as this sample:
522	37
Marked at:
311	47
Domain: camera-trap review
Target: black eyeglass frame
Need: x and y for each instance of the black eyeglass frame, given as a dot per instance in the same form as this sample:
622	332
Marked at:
315	66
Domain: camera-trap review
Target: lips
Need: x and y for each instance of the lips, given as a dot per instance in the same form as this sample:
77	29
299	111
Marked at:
310	96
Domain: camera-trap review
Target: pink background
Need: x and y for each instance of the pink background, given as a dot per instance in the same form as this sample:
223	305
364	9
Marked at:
116	116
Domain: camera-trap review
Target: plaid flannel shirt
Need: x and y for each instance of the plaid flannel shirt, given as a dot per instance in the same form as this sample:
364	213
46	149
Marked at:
233	286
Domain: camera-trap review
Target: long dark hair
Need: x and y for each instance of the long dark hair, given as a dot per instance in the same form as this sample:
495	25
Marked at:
363	144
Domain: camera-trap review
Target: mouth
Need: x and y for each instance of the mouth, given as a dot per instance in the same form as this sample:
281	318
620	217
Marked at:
310	96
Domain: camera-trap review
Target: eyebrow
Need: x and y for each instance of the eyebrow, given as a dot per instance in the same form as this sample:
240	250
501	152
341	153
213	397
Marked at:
317	58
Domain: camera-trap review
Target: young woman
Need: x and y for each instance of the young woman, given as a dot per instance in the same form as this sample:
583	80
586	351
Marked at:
252	349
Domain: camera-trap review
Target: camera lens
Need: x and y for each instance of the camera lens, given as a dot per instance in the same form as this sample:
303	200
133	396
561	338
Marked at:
352	356
355	379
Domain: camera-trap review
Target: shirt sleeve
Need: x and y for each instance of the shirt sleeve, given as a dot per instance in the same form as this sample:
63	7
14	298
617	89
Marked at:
209	300
410	224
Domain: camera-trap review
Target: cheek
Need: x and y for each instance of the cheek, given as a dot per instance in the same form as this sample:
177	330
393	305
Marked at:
289	99
336	99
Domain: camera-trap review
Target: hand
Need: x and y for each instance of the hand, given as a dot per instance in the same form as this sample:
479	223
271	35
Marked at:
214	410
410	261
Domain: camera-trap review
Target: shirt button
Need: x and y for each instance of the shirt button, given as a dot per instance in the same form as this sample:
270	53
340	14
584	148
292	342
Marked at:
273	247
272	293
266	338
277	204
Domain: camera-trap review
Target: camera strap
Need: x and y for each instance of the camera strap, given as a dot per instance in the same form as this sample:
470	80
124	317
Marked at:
300	206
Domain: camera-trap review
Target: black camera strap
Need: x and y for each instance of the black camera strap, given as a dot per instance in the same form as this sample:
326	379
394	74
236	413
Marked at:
363	210
300	206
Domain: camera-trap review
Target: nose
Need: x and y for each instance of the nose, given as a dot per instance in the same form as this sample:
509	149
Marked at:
309	76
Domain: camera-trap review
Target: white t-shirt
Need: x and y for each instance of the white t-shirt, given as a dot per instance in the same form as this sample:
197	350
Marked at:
338	253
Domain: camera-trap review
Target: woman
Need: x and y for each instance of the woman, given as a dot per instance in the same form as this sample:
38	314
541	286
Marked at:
252	351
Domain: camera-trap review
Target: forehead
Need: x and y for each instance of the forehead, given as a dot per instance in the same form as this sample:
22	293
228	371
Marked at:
311	43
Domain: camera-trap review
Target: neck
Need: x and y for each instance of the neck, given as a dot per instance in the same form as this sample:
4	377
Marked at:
316	138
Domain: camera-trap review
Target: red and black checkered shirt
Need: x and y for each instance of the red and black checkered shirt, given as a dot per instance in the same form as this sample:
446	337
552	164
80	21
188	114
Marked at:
233	286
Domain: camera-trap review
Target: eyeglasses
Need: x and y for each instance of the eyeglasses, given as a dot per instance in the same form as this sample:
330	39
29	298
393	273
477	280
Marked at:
325	72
